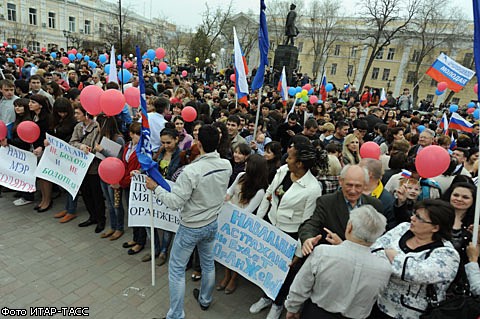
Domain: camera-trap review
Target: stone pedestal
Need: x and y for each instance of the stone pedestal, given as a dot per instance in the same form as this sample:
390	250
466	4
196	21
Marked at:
285	55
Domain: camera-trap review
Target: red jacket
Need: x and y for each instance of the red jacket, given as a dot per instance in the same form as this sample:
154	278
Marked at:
130	166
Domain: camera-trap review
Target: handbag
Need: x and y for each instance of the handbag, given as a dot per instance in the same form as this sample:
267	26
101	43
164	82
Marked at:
462	306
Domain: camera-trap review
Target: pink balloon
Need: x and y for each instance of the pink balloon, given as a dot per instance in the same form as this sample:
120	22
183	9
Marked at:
111	170
189	114
184	73
442	86
2	49
25	50
471	110
3	130
43	49
432	161
162	66
307	87
74	51
5	44
313	99
370	150
28	131
90	99
232	77
119	63
160	53
475	88
128	65
112	102
132	96
65	60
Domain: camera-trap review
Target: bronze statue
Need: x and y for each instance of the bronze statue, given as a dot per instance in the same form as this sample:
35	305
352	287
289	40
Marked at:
291	31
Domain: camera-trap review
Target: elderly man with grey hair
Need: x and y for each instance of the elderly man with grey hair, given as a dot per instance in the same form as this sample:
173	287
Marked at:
375	189
332	211
342	280
425	139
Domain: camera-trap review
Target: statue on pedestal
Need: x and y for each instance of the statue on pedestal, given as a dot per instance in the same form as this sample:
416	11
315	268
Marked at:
291	31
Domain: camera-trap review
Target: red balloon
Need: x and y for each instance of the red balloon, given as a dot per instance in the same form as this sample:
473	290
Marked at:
43	49
127	65
162	66
432	161
370	150
5	44
25	50
2	49
160	53
111	170
119	63
74	51
442	86
189	114
28	131
65	60
307	87
232	77
184	73
112	102
19	62
90	99
3	130
471	110
313	99
132	96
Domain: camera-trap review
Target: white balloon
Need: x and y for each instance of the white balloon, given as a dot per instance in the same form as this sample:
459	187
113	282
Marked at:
213	55
222	50
1	45
207	61
130	55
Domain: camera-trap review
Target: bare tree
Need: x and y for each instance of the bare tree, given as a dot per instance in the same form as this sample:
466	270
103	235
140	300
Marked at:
247	32
436	25
277	17
213	23
23	34
323	31
385	20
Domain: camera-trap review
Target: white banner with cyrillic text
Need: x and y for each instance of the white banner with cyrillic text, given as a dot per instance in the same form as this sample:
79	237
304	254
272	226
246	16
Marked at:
16	169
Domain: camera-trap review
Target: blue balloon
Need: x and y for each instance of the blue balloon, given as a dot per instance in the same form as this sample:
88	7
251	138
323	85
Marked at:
329	87
453	108
79	56
107	68
102	58
298	89
437	92
292	91
92	64
476	114
310	92
86	58
168	70
14	46
144	57
10	60
420	128
119	57
151	54
155	69
71	57
470	105
124	76
53	55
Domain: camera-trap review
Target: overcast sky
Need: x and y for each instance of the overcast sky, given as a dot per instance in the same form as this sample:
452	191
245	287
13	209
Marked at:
188	12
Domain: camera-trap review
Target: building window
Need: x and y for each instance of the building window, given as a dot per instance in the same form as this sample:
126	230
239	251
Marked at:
429	97
390	54
71	24
379	55
386	74
353	53
455	100
350	70
32	15
51	20
12	41
415	56
333	71
52	46
11	12
34	46
88	25
433	82
410	76
300	47
337	50
375	72
101	28
467	60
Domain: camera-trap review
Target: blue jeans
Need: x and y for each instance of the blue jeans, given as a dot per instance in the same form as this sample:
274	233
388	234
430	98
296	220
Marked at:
116	214
185	241
71	204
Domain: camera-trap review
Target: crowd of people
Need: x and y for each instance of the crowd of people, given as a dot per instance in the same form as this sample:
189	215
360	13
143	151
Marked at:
372	234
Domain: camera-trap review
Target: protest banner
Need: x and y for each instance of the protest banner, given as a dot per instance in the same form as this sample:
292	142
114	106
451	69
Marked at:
139	208
64	165
16	169
255	249
447	70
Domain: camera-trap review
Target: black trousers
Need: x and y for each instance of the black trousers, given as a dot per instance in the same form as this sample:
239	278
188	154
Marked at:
140	235
93	197
312	311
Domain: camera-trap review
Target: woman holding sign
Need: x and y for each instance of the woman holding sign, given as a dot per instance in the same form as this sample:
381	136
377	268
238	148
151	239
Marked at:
289	201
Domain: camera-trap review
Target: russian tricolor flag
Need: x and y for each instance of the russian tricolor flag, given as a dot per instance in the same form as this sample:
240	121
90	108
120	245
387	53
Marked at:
282	87
406	174
241	71
383	98
459	123
444	124
323	90
453	144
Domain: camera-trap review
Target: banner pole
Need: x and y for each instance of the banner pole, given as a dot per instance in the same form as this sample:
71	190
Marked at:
476	217
152	241
258	113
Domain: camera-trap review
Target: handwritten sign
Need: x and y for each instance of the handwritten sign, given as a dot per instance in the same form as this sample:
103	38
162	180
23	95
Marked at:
64	165
257	250
16	169
139	208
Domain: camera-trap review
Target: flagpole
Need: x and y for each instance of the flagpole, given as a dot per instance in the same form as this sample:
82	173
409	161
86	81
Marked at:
418	82
152	241
258	114
121	44
476	219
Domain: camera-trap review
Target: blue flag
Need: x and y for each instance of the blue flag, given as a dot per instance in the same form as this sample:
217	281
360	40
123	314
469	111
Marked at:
476	39
144	146
263	45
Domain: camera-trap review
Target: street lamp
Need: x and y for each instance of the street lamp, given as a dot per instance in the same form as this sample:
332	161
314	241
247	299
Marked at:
389	82
66	34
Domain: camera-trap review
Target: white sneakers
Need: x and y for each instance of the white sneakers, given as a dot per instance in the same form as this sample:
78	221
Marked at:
260	305
275	312
21	201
